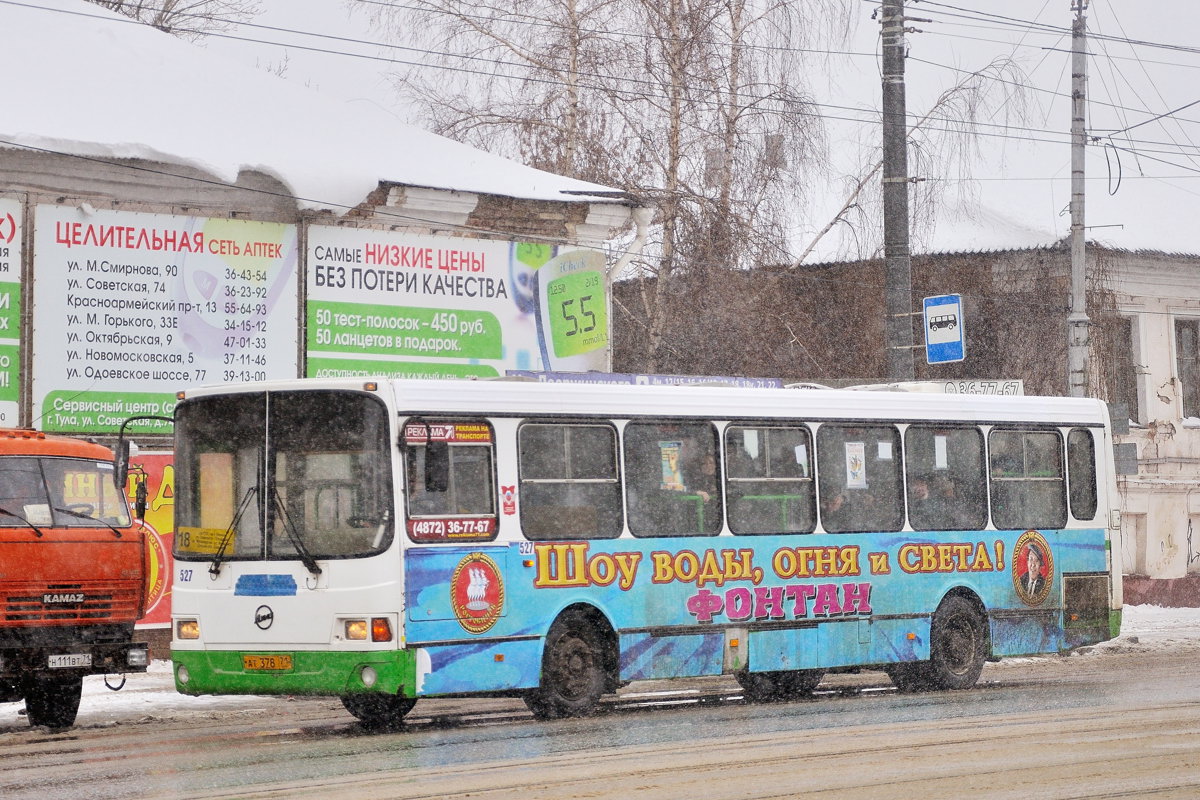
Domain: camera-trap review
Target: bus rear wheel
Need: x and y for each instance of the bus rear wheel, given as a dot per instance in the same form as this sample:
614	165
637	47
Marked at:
573	673
761	687
958	643
957	648
378	709
53	701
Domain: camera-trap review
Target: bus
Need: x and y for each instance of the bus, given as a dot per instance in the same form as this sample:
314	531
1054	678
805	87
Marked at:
385	541
73	576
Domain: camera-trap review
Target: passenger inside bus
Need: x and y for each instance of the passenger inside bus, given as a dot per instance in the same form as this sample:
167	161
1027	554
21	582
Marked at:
697	480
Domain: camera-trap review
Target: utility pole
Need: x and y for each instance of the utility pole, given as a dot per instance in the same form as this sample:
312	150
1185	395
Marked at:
1077	322
897	258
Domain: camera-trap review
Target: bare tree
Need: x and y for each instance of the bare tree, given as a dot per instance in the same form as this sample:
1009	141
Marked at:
186	18
944	138
697	106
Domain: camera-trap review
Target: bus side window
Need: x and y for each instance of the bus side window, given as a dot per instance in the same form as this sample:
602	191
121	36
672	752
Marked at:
470	490
570	488
672	478
859	478
1028	490
945	476
1081	473
769	480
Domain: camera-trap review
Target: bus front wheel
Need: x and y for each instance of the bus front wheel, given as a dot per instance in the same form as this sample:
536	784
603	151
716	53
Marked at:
573	673
53	701
760	687
378	709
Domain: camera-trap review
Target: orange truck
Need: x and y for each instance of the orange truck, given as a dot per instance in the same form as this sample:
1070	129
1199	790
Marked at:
73	571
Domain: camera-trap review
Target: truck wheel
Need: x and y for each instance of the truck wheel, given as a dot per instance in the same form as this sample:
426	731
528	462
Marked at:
760	687
53	701
381	710
573	674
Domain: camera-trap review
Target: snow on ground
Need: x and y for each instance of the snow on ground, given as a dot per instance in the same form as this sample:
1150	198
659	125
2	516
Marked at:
152	694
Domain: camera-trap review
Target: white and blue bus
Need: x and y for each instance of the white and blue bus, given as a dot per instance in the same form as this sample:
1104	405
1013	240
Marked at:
384	541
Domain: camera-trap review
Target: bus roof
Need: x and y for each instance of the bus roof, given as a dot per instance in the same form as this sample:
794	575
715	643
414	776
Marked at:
524	398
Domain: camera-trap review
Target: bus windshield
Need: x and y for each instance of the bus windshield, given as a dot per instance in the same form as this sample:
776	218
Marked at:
283	476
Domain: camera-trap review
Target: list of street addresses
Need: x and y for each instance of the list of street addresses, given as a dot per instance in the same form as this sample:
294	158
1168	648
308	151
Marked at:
10	311
390	304
130	307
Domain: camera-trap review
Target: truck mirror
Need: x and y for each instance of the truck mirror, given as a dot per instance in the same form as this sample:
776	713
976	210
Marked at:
139	502
121	464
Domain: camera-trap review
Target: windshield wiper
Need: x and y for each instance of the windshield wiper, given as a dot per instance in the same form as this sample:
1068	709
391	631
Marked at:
306	558
35	528
70	512
214	568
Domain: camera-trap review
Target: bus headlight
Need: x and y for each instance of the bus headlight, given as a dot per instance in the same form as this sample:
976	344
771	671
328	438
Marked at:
182	673
369	676
356	630
187	629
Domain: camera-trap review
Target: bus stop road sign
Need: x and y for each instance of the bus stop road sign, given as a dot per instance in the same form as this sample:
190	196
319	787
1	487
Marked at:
944	336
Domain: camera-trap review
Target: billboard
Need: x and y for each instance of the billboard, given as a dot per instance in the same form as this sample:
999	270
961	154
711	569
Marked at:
129	308
390	304
10	311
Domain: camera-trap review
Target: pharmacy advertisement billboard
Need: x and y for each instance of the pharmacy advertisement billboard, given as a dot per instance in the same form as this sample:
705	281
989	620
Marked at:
389	304
129	308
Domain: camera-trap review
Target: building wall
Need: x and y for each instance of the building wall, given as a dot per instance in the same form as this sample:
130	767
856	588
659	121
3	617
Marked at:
1162	501
50	197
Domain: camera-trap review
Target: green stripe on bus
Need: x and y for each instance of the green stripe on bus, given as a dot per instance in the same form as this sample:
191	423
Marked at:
312	672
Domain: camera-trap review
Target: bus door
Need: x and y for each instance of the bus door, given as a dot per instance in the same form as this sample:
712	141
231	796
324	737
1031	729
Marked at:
454	580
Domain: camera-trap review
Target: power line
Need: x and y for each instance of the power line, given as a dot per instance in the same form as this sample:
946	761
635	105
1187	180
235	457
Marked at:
596	87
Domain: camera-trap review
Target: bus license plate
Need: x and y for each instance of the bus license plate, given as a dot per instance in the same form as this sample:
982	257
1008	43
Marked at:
276	663
68	660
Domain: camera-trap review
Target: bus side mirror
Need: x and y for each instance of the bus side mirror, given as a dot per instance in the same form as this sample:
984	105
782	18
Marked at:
437	467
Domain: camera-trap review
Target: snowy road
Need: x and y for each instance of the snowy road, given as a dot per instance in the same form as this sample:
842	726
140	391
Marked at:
1122	720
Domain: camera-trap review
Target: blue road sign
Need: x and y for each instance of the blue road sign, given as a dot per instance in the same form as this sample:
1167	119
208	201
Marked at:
944	336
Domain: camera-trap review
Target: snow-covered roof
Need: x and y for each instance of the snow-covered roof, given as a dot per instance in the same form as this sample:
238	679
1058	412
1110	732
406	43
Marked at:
84	81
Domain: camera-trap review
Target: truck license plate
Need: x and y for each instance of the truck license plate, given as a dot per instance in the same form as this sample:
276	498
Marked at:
68	660
273	663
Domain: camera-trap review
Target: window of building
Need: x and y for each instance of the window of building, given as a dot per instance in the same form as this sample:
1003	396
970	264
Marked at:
859	469
1187	364
570	488
945	475
769	482
672	477
1081	472
1123	367
1028	490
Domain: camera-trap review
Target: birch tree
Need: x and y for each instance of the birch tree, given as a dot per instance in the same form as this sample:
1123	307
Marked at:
186	18
694	106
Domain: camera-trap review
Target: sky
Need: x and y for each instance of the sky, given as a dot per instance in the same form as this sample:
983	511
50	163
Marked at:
1143	186
1013	191
1144	628
96	85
